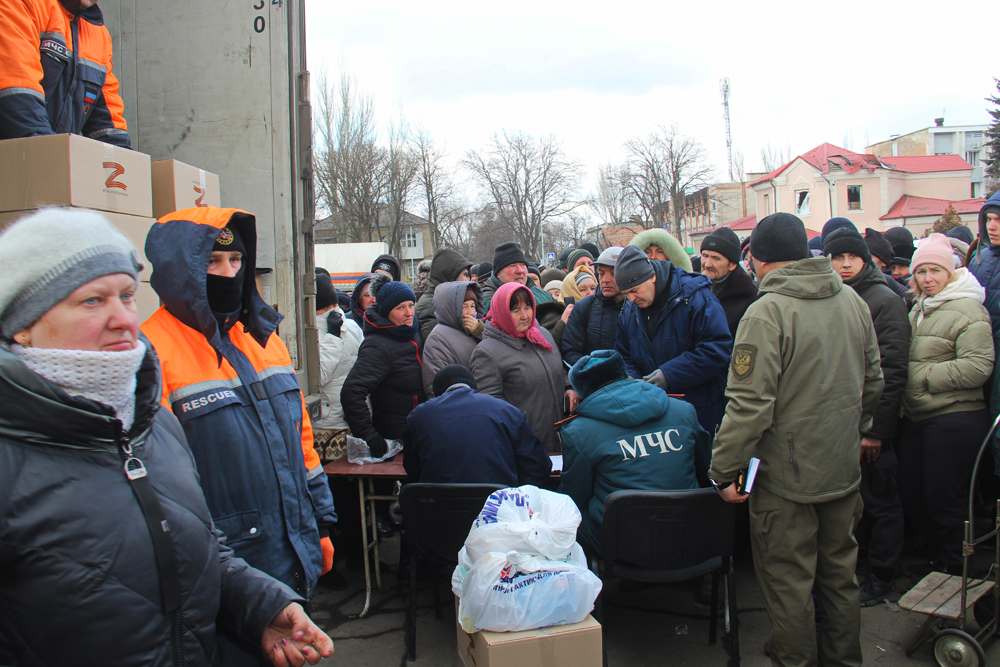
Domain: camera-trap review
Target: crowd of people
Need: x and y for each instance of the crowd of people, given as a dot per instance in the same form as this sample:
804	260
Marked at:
172	469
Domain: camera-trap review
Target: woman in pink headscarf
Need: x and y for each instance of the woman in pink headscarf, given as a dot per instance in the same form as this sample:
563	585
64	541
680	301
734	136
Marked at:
518	362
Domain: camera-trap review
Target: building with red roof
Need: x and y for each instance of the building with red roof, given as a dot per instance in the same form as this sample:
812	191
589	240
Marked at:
829	181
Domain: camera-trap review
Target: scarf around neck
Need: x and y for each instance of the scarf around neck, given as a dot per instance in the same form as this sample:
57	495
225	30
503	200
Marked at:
501	318
104	377
964	286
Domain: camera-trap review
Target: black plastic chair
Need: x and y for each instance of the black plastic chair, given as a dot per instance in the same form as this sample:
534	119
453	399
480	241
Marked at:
667	536
436	520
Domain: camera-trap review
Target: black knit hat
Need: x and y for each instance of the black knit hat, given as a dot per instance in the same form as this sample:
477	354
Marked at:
599	368
591	248
229	240
485	272
450	375
326	294
632	268
780	237
962	233
389	293
846	240
834	224
878	246
899	236
725	242
533	268
506	254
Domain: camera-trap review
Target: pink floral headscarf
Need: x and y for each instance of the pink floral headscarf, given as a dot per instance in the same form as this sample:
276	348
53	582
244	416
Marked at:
500	317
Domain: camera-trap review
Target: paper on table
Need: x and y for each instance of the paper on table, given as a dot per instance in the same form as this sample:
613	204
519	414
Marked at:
556	462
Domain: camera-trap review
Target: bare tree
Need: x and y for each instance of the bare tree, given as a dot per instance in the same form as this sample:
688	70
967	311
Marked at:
739	167
401	167
350	167
775	157
529	181
664	167
614	201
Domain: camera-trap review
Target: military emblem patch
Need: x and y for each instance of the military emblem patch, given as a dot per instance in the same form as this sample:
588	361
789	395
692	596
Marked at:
225	237
744	358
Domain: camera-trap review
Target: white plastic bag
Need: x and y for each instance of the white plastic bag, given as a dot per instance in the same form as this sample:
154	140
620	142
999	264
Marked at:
526	520
359	452
512	592
521	567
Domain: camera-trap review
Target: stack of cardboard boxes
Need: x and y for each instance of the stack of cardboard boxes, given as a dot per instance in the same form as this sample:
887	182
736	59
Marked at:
124	186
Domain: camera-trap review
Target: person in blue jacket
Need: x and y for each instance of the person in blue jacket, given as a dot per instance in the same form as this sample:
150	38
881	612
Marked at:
626	435
462	437
673	333
985	266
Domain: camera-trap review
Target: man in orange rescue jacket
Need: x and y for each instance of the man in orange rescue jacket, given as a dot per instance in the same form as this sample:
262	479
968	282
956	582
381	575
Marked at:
229	380
55	72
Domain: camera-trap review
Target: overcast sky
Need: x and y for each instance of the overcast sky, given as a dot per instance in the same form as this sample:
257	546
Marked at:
596	74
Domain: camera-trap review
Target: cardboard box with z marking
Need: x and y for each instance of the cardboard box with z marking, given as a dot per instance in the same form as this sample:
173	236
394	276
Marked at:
178	186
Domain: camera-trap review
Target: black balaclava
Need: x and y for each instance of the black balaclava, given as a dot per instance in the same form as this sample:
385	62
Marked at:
225	295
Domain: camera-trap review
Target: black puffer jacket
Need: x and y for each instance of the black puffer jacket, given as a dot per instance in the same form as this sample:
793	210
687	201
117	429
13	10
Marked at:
388	370
79	582
446	266
735	293
892	329
901	288
591	326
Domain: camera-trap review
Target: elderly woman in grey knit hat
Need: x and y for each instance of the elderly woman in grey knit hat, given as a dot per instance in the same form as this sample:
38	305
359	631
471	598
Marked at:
102	517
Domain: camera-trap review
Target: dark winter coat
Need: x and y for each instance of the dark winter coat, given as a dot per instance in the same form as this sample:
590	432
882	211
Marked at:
985	266
591	326
80	583
463	437
629	435
355	312
900	288
526	376
388	370
549	316
892	329
691	342
449	343
735	293
446	266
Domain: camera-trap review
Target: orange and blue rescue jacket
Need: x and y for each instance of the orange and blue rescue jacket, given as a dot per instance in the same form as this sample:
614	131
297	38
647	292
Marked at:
55	73
236	395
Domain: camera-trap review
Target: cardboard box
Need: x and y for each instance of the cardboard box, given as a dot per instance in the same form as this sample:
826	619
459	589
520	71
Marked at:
69	170
178	186
133	226
576	645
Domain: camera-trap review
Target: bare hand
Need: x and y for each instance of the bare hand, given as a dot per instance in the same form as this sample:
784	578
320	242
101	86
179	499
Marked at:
574	399
292	639
470	323
871	449
567	311
731	495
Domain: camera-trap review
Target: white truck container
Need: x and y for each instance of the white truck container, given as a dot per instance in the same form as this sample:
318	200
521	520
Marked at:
347	262
222	85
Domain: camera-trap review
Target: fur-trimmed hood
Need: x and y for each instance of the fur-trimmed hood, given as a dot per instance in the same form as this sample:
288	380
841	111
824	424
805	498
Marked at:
667	242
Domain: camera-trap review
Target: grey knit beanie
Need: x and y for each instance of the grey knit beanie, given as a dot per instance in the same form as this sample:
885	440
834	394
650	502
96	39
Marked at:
48	255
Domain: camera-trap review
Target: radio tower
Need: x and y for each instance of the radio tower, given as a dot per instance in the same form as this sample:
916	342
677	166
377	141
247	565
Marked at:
724	87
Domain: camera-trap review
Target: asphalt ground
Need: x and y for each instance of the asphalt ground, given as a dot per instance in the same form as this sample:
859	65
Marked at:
659	625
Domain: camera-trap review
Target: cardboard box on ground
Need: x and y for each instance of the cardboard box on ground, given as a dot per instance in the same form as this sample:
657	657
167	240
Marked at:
178	186
575	645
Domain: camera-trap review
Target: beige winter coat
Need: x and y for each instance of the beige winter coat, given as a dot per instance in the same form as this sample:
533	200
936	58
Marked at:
951	351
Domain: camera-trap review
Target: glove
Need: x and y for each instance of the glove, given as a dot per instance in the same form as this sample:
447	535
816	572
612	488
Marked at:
656	377
327	547
378	446
334	321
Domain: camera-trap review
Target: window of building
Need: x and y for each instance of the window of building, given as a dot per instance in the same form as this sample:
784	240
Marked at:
767	204
943	143
972	157
802	202
410	239
853	197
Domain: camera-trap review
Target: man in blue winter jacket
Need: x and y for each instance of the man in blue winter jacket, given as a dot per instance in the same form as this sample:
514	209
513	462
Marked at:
462	437
626	435
985	266
673	333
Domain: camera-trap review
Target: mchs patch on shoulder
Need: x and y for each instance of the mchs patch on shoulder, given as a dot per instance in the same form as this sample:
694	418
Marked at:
744	358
